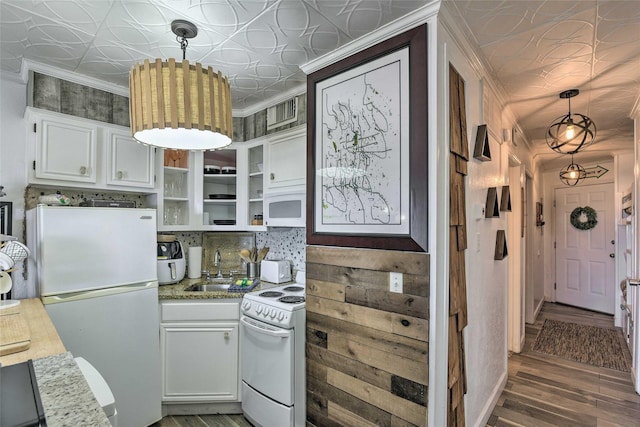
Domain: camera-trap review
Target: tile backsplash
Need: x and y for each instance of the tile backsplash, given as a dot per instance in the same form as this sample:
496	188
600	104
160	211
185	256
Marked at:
283	243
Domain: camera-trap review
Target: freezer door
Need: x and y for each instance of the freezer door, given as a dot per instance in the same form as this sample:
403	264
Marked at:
79	249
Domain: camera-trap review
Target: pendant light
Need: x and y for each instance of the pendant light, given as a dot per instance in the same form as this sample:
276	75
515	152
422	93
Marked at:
573	174
570	133
180	105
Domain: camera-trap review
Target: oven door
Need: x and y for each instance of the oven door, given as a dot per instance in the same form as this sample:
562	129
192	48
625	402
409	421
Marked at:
267	359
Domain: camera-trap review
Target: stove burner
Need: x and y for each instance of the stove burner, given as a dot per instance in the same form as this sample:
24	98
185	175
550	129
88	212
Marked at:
271	294
291	299
293	289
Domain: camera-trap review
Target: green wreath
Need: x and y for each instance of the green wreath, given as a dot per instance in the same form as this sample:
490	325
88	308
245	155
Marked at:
589	213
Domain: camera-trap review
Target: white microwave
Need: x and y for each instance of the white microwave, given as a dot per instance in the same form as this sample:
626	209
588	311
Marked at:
285	209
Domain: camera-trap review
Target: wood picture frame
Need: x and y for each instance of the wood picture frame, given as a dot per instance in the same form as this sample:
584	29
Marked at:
367	185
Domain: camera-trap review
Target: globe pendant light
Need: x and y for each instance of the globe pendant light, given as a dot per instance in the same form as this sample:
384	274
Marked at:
570	133
572	174
180	105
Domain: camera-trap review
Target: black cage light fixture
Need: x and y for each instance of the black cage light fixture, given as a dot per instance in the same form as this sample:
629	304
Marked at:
573	174
570	133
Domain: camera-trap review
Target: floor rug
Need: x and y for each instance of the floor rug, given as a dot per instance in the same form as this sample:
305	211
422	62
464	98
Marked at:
582	343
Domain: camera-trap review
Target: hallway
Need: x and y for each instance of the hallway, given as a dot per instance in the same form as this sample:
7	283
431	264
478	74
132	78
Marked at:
548	391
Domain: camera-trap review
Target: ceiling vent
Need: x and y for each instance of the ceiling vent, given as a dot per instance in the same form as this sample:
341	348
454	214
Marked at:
282	114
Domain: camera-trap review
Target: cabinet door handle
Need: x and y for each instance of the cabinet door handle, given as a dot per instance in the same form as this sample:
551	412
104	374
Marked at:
272	176
226	335
119	175
83	170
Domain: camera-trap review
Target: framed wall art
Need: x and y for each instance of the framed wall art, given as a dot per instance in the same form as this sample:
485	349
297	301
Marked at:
367	145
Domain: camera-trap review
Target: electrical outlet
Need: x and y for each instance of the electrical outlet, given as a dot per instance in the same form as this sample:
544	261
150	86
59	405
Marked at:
395	282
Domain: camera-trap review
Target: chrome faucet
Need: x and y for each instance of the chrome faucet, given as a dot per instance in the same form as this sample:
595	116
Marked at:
217	262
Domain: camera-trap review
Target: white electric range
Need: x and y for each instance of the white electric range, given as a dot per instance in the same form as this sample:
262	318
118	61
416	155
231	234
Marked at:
272	342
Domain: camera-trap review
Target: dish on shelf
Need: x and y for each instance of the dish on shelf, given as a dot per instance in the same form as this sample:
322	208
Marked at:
211	169
259	166
222	196
224	221
228	170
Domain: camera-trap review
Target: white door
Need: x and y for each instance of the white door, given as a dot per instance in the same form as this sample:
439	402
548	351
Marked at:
584	267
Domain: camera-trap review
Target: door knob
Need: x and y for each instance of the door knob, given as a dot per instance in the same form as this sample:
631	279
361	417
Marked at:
612	255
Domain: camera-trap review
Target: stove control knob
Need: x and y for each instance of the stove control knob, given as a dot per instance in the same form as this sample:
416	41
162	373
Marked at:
273	314
259	309
280	316
246	305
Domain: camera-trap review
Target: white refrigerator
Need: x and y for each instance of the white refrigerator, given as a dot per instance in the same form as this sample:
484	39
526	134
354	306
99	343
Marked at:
96	271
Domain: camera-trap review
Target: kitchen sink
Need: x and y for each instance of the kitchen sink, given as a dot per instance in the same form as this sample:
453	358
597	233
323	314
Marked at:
208	287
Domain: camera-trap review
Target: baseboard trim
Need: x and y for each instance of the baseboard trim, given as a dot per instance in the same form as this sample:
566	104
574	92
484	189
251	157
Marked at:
491	403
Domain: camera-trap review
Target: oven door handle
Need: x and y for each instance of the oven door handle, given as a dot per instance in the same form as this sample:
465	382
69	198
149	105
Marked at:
282	333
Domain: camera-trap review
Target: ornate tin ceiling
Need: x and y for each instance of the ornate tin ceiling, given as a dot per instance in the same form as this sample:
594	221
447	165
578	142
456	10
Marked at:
535	49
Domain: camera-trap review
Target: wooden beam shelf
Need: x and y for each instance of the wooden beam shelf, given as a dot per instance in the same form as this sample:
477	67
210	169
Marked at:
501	245
505	200
491	209
482	150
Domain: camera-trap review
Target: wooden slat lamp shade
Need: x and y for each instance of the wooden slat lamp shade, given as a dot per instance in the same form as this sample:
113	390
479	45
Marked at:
180	105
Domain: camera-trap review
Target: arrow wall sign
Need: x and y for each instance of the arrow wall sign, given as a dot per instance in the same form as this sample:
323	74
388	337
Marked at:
595	171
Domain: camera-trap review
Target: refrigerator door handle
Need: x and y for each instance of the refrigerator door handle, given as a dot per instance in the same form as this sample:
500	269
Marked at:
95	293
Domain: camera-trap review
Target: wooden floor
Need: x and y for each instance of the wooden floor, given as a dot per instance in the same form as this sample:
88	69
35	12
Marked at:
203	421
548	391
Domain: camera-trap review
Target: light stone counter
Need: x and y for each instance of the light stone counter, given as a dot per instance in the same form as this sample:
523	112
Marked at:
177	291
66	396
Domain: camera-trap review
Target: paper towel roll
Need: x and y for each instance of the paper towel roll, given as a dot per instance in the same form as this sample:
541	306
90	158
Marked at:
195	262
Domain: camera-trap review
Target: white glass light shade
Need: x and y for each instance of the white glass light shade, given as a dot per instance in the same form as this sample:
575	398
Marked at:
180	106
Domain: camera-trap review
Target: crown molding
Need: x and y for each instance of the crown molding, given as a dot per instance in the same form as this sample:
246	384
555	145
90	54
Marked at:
400	25
462	36
71	76
263	105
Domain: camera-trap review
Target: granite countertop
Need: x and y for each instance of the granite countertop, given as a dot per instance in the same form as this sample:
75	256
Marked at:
65	393
177	291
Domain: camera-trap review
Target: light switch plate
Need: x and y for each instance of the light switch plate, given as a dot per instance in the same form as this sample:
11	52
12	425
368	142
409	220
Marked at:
395	282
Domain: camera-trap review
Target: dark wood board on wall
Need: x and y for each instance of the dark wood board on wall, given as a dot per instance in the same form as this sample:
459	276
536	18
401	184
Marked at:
416	240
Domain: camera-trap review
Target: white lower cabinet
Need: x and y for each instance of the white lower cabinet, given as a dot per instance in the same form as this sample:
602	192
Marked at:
200	351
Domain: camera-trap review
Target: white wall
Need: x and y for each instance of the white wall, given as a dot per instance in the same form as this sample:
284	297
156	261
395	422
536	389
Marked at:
486	334
13	170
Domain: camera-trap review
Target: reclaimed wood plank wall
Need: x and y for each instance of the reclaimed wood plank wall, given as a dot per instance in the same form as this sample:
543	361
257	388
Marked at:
367	348
459	157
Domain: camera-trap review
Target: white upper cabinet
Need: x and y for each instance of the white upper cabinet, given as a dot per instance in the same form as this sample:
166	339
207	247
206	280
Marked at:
286	160
74	152
65	149
128	162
